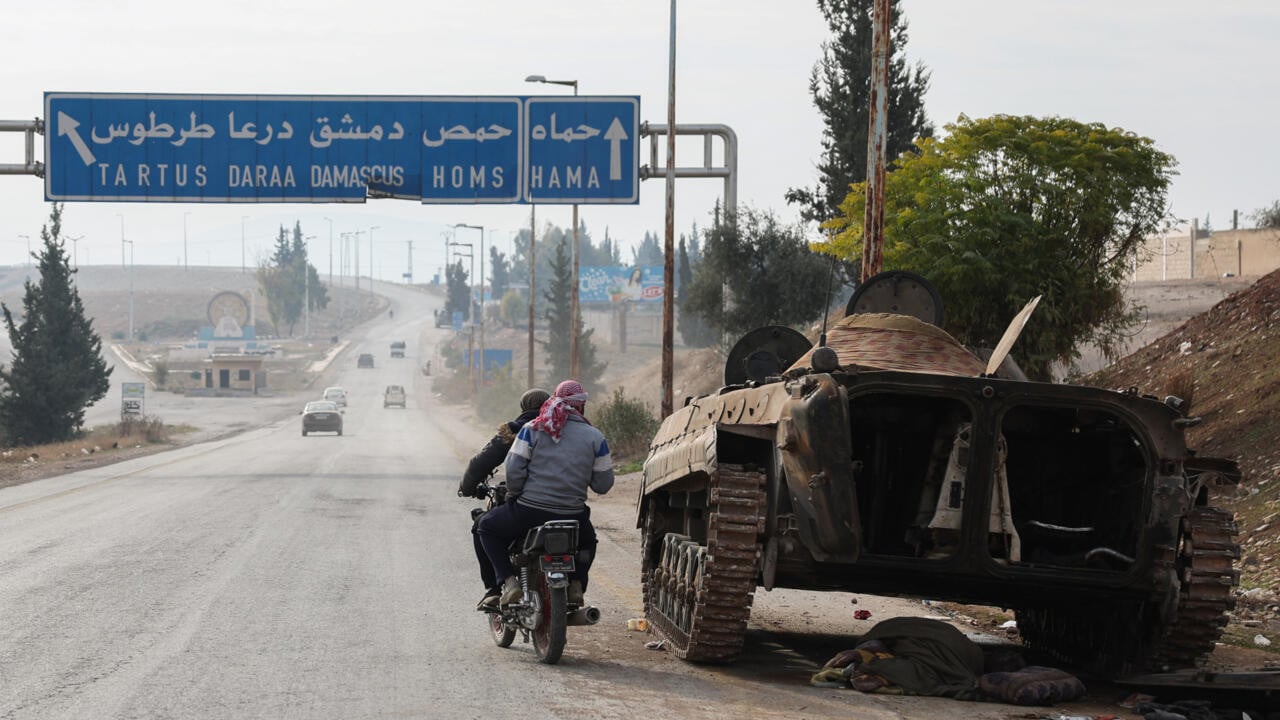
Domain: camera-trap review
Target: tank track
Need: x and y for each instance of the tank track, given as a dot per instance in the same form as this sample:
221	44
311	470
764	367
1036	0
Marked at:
698	596
1208	575
1121	640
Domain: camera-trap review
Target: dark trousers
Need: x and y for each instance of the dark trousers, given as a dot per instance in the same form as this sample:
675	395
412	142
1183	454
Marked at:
498	527
486	567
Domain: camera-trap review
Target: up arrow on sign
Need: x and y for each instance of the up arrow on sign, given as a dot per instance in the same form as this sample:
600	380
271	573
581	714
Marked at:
615	135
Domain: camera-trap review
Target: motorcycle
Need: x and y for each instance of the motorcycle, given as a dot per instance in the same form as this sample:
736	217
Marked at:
543	559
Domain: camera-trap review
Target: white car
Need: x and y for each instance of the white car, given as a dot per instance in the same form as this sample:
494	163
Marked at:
336	395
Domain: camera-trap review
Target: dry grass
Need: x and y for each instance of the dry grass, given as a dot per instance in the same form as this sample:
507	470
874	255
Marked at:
100	446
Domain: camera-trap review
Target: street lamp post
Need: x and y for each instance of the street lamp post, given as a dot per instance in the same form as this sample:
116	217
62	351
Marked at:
573	293
330	250
184	240
371	265
123	242
471	382
242	219
355	255
306	286
75	261
28	239
481	229
342	286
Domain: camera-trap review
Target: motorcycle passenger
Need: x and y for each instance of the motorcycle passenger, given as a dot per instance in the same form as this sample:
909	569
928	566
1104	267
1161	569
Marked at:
479	469
553	461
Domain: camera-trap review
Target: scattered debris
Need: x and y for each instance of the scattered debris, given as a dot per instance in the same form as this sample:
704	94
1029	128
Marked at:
656	644
1261	640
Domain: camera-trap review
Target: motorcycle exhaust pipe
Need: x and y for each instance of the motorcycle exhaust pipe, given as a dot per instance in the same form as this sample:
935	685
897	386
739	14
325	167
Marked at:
589	615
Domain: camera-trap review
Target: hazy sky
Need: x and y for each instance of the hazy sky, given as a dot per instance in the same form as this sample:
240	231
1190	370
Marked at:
1201	79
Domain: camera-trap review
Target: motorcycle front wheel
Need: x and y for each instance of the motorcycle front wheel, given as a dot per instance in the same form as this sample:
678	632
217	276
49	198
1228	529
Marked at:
549	635
503	634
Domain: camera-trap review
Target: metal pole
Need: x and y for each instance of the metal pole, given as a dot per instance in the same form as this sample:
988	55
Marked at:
306	286
330	250
355	245
877	139
342	290
185	266
371	266
668	260
242	219
574	311
533	266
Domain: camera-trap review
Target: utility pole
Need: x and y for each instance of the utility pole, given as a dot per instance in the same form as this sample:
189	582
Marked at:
533	267
408	276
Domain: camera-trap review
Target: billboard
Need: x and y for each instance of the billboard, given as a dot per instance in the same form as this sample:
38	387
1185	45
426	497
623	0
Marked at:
620	283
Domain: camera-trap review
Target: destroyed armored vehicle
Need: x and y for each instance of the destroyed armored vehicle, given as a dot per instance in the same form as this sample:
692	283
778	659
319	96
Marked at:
894	461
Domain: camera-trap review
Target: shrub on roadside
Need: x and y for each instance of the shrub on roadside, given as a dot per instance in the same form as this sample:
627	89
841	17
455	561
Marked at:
148	427
627	423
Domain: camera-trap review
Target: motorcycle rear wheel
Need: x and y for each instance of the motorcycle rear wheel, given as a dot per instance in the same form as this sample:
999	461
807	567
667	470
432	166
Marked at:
503	634
549	635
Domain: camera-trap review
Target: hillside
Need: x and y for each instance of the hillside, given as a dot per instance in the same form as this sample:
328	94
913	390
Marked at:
1229	353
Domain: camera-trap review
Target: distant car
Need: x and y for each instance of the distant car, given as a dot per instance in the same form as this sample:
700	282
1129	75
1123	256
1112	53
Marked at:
397	349
335	395
321	416
393	395
365	360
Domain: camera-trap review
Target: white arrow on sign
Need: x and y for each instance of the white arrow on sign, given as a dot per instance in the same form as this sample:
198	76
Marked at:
615	135
67	126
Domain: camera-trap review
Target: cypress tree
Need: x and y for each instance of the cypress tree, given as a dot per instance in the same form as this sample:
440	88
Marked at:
841	88
57	369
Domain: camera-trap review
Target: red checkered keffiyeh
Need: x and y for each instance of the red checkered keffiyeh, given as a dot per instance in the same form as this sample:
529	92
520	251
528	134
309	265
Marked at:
569	398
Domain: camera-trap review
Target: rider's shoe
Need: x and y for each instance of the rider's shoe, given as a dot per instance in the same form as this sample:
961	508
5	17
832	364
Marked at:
489	601
575	592
511	591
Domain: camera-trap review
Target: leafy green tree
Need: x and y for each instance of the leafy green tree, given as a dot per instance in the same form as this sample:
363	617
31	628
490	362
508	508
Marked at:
457	292
1009	207
57	369
1267	217
757	272
841	88
560	330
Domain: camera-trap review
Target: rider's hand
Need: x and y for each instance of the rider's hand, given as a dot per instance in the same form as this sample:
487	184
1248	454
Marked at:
481	492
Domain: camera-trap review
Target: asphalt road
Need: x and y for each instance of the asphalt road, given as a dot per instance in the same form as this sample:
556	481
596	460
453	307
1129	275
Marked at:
267	575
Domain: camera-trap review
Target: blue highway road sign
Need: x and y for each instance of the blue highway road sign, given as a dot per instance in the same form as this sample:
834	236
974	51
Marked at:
583	150
286	148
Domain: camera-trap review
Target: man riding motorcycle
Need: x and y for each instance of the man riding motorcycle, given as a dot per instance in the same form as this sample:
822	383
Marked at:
482	465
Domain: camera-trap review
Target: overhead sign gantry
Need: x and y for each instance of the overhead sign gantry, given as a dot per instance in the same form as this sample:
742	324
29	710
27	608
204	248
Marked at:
286	148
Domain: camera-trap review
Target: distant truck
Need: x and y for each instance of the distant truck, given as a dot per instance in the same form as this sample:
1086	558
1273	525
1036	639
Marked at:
397	349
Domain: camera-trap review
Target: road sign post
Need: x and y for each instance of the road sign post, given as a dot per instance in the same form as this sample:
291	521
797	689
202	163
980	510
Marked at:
132	399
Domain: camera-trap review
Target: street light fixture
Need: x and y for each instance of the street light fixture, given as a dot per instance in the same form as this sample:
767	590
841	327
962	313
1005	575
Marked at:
573	293
371	266
28	238
184	239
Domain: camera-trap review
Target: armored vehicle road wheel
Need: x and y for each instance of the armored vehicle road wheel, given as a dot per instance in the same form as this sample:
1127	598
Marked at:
699	596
